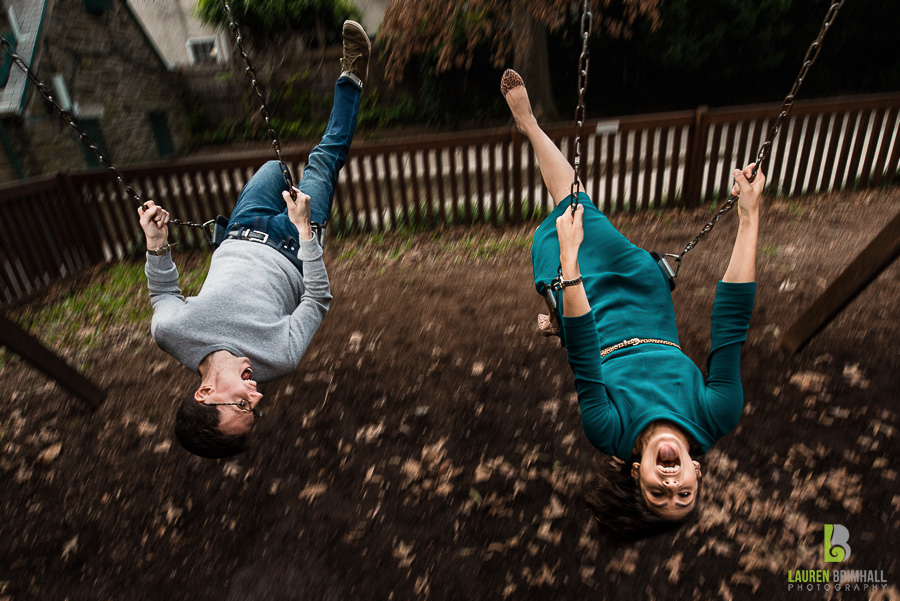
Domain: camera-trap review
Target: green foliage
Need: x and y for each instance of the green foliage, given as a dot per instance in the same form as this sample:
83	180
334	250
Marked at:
726	52
81	317
272	21
347	254
297	118
375	114
713	52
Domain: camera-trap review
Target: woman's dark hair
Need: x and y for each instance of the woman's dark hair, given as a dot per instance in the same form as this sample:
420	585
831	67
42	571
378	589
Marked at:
620	509
197	430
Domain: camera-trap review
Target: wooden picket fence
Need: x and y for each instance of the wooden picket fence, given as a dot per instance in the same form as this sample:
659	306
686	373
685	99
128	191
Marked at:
56	225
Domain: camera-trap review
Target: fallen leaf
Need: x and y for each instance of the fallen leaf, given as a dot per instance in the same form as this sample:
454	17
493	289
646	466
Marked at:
312	491
50	453
355	342
403	552
809	381
370	432
411	470
70	547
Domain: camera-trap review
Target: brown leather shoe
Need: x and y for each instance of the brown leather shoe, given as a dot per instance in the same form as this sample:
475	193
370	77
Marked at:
357	49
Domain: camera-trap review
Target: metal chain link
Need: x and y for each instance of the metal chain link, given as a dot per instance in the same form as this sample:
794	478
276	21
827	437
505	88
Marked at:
812	53
263	109
69	120
587	19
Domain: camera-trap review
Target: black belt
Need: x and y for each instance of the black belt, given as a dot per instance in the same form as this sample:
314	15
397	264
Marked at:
245	233
289	248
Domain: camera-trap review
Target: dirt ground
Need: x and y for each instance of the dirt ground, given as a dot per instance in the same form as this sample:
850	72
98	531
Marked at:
429	445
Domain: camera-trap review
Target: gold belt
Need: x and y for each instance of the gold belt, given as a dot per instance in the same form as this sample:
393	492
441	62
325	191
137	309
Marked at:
635	342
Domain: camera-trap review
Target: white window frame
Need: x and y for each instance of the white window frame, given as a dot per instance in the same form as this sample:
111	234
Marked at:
14	23
204	40
58	83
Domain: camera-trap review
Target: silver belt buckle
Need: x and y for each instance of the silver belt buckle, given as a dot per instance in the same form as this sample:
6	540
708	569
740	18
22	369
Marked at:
255	236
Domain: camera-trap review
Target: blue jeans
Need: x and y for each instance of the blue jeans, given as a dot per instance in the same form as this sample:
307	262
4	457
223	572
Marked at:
260	205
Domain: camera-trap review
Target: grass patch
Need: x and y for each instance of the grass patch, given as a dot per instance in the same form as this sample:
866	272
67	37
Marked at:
347	254
795	209
114	296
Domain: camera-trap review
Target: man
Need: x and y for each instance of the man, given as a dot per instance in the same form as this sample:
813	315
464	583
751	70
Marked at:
267	289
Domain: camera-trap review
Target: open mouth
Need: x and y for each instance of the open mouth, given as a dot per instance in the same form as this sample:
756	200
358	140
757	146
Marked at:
247	375
667	459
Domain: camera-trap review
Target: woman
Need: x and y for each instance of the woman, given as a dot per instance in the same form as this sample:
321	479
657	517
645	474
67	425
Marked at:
641	400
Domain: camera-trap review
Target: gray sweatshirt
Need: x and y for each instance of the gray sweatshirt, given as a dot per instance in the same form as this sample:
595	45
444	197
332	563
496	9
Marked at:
254	303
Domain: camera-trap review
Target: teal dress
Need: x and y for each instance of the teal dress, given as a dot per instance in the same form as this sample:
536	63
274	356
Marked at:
623	392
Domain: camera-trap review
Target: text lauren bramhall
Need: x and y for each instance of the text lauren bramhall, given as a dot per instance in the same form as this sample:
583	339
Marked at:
841	580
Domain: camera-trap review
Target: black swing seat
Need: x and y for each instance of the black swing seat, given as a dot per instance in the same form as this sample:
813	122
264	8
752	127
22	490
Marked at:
666	269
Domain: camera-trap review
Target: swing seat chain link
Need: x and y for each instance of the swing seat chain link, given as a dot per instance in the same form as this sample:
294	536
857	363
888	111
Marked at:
587	19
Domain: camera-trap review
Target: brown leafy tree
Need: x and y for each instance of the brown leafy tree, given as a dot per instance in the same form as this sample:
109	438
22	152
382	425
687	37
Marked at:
515	29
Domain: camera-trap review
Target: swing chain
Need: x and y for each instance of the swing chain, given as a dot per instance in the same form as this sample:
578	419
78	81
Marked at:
812	53
69	120
254	82
587	18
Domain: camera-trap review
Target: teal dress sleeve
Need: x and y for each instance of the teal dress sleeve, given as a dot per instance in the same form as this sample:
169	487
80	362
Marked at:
599	418
728	332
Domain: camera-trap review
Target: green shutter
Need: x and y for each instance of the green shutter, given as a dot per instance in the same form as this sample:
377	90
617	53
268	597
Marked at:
5	60
160	125
97	7
92	128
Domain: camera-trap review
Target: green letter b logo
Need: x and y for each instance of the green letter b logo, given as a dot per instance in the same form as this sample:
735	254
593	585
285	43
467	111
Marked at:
836	539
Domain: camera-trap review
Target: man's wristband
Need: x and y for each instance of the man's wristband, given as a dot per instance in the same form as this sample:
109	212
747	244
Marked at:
162	250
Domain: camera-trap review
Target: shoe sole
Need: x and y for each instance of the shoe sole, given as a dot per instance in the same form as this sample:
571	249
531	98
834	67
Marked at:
360	29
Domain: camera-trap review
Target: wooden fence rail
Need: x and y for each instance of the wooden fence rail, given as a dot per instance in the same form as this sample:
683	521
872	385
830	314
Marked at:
56	225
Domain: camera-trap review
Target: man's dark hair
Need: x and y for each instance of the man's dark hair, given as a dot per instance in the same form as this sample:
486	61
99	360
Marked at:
197	430
620	509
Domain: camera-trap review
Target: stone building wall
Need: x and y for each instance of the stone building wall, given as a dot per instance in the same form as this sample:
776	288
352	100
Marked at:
114	77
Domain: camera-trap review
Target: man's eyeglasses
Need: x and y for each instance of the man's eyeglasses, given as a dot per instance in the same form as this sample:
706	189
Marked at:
241	405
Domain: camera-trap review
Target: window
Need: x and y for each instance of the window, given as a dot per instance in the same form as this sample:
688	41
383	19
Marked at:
203	50
92	128
97	7
160	125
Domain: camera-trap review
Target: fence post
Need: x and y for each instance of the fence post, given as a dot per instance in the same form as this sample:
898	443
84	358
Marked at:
516	144
78	217
696	149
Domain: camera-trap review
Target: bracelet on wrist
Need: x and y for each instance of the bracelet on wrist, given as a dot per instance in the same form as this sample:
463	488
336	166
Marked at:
573	282
162	250
561	282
